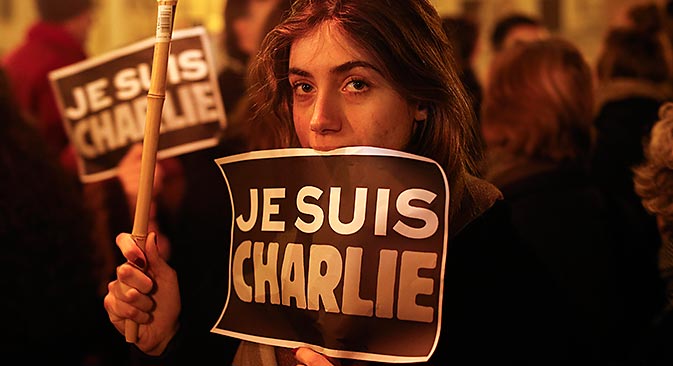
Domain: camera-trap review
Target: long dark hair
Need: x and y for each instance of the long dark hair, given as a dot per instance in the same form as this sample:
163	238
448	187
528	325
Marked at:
408	42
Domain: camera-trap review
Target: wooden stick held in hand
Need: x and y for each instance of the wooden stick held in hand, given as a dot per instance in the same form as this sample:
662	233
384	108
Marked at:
155	103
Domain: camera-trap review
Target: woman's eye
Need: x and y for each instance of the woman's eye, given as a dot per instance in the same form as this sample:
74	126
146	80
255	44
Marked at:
302	88
356	86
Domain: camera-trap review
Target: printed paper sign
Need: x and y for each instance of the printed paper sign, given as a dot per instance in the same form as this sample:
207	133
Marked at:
103	102
341	251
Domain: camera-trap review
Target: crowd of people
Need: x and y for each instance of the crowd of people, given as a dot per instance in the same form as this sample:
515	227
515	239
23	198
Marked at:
560	173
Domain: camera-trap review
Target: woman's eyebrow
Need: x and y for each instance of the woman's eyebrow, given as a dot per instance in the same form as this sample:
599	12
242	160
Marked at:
299	72
353	64
347	66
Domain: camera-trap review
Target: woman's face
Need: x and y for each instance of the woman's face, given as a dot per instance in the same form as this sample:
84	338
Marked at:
250	28
341	98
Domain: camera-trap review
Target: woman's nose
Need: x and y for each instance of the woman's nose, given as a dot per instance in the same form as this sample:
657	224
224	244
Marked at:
327	112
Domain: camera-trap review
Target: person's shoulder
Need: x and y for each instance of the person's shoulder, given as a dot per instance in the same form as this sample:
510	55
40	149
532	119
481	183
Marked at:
34	60
17	56
491	226
499	214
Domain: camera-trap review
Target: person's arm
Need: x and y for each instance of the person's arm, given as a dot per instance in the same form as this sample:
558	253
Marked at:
308	357
128	174
150	298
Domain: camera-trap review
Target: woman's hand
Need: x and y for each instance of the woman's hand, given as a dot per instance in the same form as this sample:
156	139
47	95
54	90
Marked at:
128	173
151	298
309	357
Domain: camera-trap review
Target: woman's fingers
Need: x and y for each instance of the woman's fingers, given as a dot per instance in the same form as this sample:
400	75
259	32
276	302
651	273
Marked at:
131	250
120	308
133	284
127	296
308	357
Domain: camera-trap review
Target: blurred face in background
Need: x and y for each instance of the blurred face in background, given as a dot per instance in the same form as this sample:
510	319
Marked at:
250	28
524	33
79	26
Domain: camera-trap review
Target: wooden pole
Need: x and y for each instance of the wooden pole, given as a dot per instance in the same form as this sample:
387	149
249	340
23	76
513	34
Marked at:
155	103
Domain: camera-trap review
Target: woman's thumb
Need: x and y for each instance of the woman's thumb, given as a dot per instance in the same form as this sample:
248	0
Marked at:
152	251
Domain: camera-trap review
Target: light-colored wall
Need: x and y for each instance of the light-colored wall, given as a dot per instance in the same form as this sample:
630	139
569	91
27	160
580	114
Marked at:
118	22
121	22
12	28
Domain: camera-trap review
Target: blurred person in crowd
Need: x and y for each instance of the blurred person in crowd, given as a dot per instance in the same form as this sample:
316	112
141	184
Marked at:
516	28
653	180
56	40
667	21
246	24
328	76
536	121
512	29
645	17
51	282
262	16
632	82
232	77
463	32
651	18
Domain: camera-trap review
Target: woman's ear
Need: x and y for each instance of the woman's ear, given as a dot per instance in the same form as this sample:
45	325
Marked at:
421	113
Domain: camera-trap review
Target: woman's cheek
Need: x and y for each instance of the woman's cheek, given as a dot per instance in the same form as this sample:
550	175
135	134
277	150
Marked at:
303	131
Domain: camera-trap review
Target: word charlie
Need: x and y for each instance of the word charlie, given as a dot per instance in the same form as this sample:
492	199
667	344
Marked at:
109	113
317	281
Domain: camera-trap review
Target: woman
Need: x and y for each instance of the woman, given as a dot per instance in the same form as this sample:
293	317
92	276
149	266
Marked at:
50	263
246	22
537	113
633	77
653	179
537	124
633	80
344	73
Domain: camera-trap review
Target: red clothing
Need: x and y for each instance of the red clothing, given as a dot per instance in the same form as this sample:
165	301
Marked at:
47	47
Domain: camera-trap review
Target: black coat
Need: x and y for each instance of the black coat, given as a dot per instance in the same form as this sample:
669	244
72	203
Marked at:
623	123
609	296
